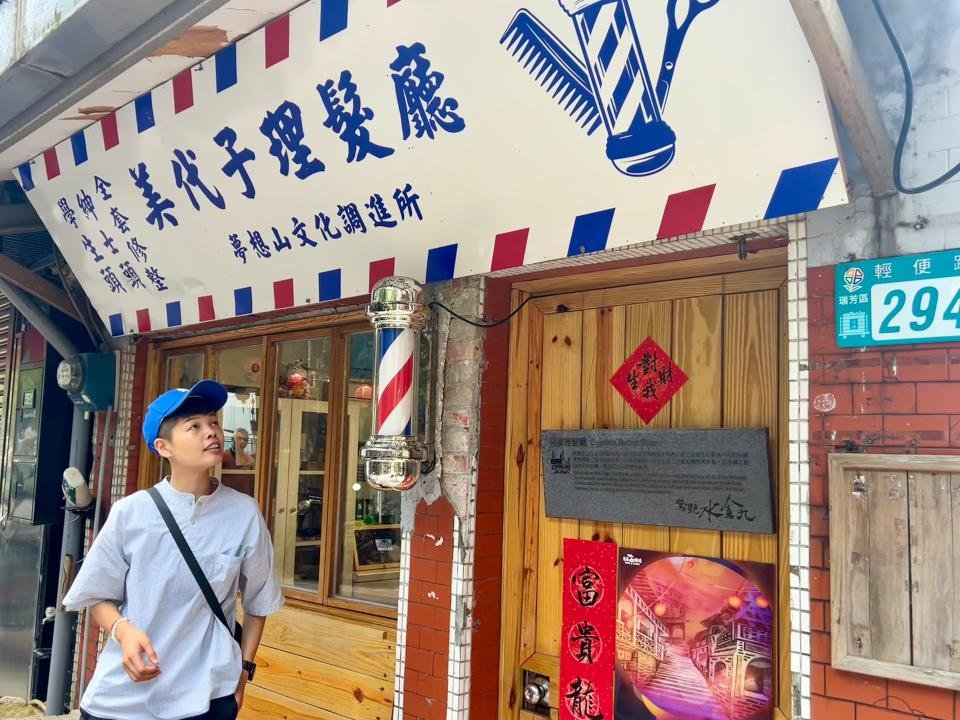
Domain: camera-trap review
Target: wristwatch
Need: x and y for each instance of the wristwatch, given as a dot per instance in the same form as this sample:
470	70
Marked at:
250	668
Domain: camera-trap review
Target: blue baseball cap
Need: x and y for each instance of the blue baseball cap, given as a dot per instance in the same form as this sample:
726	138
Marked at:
211	394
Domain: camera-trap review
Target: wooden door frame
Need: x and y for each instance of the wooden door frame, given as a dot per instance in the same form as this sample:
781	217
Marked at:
531	298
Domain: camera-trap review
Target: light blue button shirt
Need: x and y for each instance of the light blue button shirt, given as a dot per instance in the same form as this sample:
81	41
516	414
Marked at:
135	563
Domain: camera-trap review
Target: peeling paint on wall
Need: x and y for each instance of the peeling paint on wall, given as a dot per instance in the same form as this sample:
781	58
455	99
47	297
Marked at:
200	41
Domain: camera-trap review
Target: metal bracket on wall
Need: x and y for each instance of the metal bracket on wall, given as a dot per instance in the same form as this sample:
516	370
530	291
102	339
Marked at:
742	244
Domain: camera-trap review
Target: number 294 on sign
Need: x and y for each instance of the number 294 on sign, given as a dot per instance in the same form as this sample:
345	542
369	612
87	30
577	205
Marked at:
904	300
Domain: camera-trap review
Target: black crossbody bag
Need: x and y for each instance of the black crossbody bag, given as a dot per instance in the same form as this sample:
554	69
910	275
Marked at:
192	563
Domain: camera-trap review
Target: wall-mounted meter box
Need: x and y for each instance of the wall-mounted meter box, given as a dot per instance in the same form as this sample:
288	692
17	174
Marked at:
89	379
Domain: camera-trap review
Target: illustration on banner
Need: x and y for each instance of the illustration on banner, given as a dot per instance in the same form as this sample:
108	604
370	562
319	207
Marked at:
694	638
611	84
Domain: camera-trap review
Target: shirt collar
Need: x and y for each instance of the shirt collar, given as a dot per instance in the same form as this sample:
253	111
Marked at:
168	489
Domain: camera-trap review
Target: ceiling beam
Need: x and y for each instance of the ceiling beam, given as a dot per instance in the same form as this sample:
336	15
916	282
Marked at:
846	81
16	274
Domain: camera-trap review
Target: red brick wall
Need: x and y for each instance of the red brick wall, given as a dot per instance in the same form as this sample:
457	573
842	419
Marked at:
428	612
894	400
485	644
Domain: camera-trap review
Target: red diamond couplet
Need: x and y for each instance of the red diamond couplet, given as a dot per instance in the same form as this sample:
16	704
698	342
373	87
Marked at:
648	379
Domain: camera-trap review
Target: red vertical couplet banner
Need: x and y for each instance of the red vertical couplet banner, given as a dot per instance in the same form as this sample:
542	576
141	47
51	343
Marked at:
588	642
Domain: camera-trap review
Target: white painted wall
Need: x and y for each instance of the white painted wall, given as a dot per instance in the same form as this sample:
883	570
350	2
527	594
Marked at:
905	224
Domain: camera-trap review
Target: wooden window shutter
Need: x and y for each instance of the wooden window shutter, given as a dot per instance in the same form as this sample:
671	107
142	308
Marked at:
895	566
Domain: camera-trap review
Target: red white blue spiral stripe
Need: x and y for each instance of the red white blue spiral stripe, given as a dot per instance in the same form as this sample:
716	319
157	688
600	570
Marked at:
395	382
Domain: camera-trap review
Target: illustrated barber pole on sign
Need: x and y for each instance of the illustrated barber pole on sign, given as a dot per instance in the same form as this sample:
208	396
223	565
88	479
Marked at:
588	640
395	393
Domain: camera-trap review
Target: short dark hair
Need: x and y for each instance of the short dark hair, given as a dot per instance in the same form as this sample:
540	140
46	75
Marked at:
193	406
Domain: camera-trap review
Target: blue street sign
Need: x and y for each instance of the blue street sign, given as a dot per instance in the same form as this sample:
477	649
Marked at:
899	301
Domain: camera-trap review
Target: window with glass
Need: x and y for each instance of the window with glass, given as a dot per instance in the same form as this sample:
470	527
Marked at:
298	413
300	459
368	549
238	367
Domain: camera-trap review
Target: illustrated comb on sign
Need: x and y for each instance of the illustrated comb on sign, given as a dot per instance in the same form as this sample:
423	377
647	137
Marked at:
547	59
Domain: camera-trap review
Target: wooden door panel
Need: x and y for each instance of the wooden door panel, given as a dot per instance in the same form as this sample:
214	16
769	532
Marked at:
528	416
697	349
644	320
601	406
559	410
750	392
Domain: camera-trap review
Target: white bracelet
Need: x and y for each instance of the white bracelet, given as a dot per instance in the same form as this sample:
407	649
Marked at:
113	628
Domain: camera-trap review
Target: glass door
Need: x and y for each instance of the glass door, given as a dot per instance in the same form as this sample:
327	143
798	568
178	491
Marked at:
239	368
300	460
301	473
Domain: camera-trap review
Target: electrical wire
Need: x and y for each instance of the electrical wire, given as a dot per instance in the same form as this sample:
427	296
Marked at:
492	323
907	115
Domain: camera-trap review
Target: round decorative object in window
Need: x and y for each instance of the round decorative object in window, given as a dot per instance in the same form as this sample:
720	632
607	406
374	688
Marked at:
295	381
363	392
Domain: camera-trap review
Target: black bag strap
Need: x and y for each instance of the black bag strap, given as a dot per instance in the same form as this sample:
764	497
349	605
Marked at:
188	556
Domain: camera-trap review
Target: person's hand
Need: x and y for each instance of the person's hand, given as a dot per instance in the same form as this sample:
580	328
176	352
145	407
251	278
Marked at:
134	643
241	686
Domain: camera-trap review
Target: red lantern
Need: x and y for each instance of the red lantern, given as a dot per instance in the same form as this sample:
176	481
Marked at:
660	609
762	602
734	601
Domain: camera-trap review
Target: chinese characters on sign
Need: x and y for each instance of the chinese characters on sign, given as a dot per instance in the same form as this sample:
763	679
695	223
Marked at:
712	510
589	607
350	221
423	112
104	248
648	379
903	300
586	586
585	643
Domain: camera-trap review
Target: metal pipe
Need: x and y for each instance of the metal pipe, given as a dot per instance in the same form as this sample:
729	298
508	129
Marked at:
29	308
64	626
108	420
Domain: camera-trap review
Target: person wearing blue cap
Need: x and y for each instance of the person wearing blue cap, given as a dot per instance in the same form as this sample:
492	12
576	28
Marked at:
163	573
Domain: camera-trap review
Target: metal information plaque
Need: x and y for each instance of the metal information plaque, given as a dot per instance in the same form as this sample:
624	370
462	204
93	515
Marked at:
705	479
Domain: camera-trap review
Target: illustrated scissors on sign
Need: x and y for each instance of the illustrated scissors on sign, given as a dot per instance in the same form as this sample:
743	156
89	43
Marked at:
676	32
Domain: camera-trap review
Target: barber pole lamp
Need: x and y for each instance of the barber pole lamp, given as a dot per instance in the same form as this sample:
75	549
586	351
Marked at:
393	455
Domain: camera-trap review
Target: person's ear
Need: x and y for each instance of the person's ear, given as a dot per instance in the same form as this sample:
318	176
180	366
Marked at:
162	446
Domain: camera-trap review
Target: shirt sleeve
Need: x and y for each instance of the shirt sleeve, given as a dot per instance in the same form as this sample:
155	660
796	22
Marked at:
258	580
103	572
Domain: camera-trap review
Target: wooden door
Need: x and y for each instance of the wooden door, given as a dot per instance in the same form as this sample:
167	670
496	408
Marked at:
727	332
